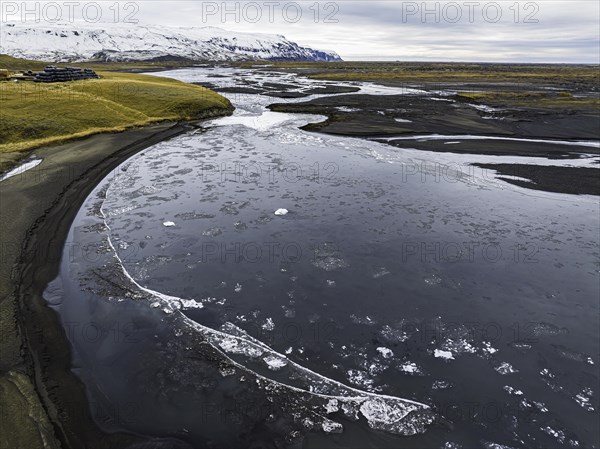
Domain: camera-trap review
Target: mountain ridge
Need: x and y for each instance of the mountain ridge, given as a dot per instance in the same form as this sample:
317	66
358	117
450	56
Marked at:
119	43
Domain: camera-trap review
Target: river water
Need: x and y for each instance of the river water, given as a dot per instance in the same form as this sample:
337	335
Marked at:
405	300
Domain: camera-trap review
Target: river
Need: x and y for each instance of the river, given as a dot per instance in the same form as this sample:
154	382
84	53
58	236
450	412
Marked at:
406	299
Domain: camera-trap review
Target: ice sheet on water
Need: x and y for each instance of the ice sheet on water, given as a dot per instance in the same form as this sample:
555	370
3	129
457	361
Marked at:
360	378
232	345
583	143
489	445
488	349
190	304
268	324
382	412
274	362
458	346
505	368
386	353
395	334
213	232
330	426
309	391
447	355
329	263
483	108
558	434
512	391
441	385
347	109
327	257
583	398
409	368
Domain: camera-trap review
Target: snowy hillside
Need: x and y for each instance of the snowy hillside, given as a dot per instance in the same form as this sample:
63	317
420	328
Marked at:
111	42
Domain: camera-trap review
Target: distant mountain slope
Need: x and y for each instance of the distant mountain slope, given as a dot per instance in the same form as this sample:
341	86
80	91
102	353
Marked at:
118	42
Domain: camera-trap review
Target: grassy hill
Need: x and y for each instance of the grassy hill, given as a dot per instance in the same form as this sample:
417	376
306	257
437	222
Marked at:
12	63
36	114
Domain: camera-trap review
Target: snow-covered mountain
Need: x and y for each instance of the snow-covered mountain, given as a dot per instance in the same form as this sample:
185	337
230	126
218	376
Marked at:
118	42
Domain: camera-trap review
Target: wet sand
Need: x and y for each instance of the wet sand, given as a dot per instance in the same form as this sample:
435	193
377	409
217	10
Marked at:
40	394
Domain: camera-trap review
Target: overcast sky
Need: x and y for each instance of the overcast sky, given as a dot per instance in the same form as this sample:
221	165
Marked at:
542	31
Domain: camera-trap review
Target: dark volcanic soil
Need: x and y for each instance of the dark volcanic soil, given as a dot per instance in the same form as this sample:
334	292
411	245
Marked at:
374	115
576	180
382	117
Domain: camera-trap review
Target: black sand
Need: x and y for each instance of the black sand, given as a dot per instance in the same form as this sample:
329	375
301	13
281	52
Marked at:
40	394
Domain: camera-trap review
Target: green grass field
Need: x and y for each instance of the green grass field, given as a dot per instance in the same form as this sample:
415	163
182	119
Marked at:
36	114
11	63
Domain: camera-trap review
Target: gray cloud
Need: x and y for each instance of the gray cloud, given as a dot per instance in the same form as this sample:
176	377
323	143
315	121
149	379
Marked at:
546	30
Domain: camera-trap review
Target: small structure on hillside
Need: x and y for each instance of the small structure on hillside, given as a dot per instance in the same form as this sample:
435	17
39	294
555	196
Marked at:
52	74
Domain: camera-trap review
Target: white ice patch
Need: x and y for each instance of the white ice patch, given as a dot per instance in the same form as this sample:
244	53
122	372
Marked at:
584	399
275	363
458	345
514	178
381	416
386	353
505	368
262	122
488	445
362	320
410	368
558	434
483	107
269	324
440	354
233	345
360	378
488	348
190	304
330	426
512	391
21	169
332	406
579	143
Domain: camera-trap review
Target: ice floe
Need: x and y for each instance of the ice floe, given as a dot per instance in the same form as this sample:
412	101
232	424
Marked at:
447	355
505	368
386	353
